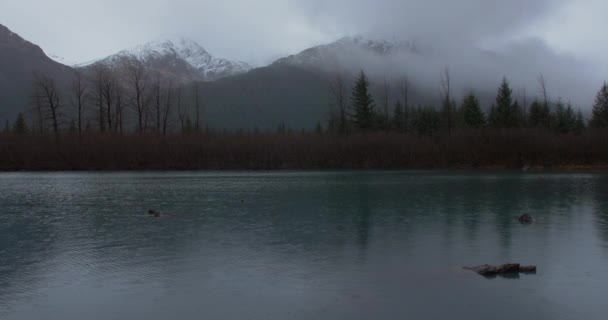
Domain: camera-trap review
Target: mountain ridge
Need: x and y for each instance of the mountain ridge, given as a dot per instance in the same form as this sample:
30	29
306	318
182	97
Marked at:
19	61
180	57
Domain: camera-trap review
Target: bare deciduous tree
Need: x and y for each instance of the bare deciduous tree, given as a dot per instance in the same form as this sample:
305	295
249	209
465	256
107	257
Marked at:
181	113
167	107
156	91
543	90
197	106
47	95
447	98
404	87
337	90
118	94
79	99
137	82
386	97
99	75
38	118
108	92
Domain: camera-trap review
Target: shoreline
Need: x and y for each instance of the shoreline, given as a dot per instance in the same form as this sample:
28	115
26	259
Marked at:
497	168
466	150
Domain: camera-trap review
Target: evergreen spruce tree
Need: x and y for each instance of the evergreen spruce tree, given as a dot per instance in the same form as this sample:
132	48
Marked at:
472	115
362	104
426	120
599	115
579	122
570	118
505	113
20	126
398	117
560	117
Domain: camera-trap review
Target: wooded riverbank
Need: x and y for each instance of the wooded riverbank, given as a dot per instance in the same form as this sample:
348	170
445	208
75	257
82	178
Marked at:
463	149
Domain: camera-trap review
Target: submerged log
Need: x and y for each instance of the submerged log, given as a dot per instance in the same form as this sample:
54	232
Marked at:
487	270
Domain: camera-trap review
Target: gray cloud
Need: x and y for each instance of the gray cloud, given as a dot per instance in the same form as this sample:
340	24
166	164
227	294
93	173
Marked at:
462	20
258	31
262	29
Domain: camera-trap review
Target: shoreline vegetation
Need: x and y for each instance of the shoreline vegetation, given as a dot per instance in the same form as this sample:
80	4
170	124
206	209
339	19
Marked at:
491	149
136	122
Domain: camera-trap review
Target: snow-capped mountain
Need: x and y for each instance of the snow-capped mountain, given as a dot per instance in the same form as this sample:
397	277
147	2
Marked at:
181	58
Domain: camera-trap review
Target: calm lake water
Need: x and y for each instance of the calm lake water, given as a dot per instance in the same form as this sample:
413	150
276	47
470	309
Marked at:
322	245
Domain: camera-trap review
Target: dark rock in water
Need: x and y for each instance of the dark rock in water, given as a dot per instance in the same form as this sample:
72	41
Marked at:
154	213
526	219
508	269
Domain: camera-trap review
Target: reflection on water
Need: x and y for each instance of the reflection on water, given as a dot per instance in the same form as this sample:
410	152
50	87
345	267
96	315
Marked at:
326	245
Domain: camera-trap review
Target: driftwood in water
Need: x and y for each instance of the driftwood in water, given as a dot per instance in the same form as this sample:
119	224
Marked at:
508	269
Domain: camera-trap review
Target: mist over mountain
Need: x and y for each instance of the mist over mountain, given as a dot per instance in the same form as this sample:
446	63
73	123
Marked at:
471	68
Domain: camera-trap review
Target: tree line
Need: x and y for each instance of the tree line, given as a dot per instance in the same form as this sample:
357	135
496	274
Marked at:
133	99
106	100
135	119
359	112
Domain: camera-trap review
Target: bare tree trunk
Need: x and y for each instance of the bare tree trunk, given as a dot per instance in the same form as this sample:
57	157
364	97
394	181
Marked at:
197	106
338	93
167	109
46	90
180	113
157	104
525	111
119	111
38	119
108	94
405	93
386	93
543	89
447	98
137	80
100	72
79	91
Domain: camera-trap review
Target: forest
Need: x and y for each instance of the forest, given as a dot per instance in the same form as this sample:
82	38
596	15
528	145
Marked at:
134	120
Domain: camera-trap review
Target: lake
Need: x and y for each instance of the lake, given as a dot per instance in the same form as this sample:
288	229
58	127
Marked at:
301	245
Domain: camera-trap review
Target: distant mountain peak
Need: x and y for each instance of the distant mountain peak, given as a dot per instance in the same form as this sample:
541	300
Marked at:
192	60
186	49
347	45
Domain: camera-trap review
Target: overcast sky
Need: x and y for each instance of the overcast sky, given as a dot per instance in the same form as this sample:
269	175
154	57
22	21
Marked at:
257	31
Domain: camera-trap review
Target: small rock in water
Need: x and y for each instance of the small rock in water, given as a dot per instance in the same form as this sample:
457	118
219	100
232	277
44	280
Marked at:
508	269
155	213
526	219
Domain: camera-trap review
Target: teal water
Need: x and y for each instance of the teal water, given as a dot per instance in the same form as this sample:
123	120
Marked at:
291	245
